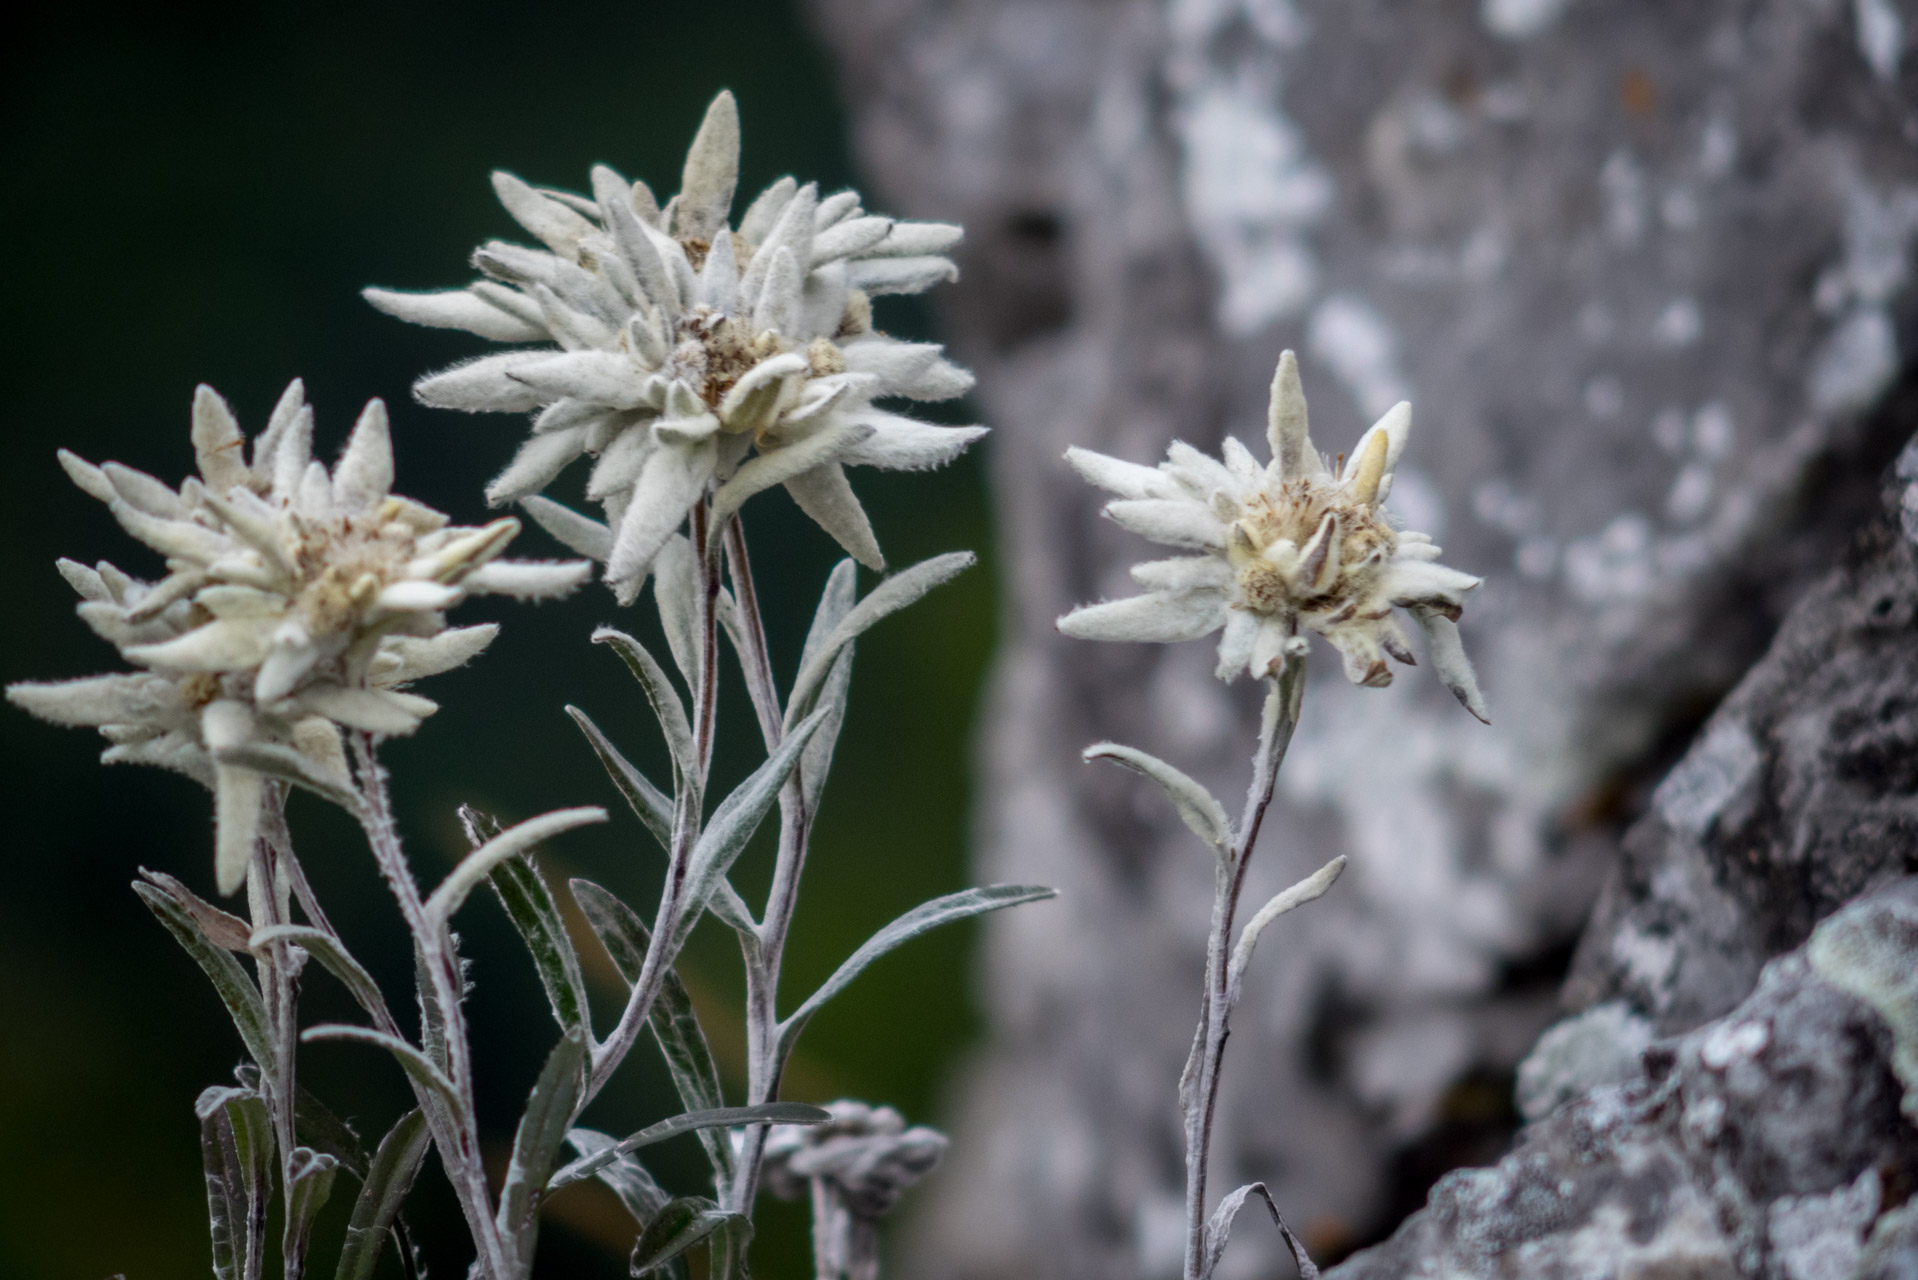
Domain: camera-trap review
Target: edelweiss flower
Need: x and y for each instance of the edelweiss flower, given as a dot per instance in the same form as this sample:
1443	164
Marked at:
296	602
1285	546
685	345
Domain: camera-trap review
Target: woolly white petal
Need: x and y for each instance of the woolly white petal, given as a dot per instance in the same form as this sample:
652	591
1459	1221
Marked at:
1127	479
777	306
417	597
765	209
901	444
463	309
97	700
222	645
631	238
416	657
596	377
672	481
778	465
369	710
483	385
1235	643
918	239
1454	669
1174	522
218	445
719	278
557	226
144	493
527	579
580	533
1420	582
538	461
237	797
825	494
849	238
1182	574
1287	432
900	275
1156	618
364	475
711	173
1396	426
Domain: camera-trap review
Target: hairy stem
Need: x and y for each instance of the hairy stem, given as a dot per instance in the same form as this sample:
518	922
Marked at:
266	891
765	1062
457	1136
1199	1090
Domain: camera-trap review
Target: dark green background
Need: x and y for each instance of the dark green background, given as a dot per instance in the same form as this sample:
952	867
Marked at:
198	197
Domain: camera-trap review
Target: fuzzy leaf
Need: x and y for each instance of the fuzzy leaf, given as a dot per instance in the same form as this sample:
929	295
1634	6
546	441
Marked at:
329	952
242	999
665	701
1195	805
236	1144
1218	1229
530	906
416	1064
716	1118
478	865
649	803
676	1228
310	1177
1306	890
623	1173
890	596
388	1179
922	918
674	1023
542	1128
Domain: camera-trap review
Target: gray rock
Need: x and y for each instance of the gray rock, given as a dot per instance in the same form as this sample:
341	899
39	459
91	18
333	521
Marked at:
1644	270
1763	1144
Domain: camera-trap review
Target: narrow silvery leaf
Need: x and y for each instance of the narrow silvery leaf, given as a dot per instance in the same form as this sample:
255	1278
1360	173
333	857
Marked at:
383	1190
665	702
895	593
922	918
334	957
650	805
235	987
778	465
1195	805
465	309
715	1118
364	474
733	822
825	495
415	1063
485	385
542	1128
816	763
675	1025
535	466
580	533
309	1183
221	928
625	1175
900	275
676	1228
675	592
1306	890
515	840
530	906
236	1144
1218	1229
711	173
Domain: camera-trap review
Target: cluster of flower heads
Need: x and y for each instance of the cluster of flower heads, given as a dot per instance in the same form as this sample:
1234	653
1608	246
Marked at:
1283	547
296	602
683	352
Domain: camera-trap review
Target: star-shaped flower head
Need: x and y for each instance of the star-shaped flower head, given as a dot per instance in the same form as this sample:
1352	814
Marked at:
296	602
675	345
1284	548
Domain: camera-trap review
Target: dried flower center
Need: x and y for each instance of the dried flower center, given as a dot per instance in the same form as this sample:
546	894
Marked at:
1307	550
341	564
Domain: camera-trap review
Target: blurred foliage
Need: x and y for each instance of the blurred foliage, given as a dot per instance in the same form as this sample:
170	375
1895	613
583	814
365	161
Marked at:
197	196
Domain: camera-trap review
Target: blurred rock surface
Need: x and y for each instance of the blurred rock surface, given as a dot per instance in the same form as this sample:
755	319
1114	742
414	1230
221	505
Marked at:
1644	271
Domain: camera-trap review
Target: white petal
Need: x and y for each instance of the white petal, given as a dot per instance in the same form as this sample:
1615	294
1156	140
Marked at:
218	445
85	582
918	239
1235	643
290	661
719	277
417	597
835	209
1269	646
536	464
630	236
364	474
897	364
234	600
792	230
90	479
1447	651
848	239
1199	472
1174	522
144	493
900	275
483	385
573	328
619	466
292	455
1396	426
527	579
222	645
416	657
287	411
675	476
712	172
1127	479
1156	618
237	797
777	306
765	209
1287	432
824	494
596	377
467	310
1182	574
557	226
822	302
369	710
580	533
97	700
901	444
1420	582
1240	462
778	465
